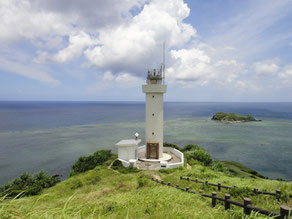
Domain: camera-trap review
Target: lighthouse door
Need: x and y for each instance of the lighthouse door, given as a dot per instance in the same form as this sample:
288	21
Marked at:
152	150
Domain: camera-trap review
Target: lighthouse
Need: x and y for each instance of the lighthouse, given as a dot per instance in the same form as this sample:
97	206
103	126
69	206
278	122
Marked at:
152	155
154	90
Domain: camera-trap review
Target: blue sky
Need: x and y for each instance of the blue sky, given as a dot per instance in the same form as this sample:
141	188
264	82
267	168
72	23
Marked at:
216	50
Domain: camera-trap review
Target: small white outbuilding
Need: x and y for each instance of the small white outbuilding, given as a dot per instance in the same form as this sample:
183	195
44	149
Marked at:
127	149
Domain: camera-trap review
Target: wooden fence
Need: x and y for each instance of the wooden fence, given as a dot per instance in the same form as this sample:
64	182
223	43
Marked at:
285	211
277	193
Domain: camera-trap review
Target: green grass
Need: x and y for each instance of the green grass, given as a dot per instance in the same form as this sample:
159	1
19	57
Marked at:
239	170
105	193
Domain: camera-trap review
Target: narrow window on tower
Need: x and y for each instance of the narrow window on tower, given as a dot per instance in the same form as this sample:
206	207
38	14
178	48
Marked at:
152	114
153	96
152	133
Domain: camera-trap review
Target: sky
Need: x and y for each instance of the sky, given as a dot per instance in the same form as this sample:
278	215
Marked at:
100	50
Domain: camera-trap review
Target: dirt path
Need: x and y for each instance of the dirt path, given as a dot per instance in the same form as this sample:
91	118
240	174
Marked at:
156	177
110	167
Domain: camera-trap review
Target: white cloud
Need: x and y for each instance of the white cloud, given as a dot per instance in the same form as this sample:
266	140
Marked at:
137	44
109	80
20	20
266	68
286	75
29	71
124	45
189	65
246	86
77	43
92	15
193	66
122	79
230	48
254	29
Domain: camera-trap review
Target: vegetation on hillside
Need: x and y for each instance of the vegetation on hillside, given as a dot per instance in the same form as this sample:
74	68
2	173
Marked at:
239	170
112	191
166	144
89	162
104	193
27	185
232	117
193	152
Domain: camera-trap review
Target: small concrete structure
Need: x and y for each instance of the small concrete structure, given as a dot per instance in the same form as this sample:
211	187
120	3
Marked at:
165	157
176	159
127	149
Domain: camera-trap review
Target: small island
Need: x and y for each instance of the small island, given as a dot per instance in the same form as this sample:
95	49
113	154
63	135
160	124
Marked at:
231	118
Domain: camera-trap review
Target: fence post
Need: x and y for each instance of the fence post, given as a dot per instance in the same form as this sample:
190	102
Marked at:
180	177
187	189
177	186
246	210
255	190
162	182
284	211
188	179
157	180
196	180
206	182
278	194
227	204
219	186
169	184
214	199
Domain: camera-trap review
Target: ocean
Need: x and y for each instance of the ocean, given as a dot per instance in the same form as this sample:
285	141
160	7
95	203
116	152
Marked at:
50	136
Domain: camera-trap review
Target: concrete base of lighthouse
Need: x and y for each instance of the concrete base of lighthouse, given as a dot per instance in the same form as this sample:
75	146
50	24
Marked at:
165	157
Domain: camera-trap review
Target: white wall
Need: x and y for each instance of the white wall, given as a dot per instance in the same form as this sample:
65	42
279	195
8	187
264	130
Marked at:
154	105
127	152
177	153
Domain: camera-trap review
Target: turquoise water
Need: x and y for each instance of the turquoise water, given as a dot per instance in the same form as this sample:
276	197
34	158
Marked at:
50	136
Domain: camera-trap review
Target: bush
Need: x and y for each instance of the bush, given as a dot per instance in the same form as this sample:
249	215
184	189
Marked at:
199	155
191	147
142	181
241	192
118	166
85	163
217	166
166	144
29	185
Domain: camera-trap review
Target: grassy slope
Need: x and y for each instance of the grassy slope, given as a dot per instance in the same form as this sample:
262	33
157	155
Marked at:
239	170
103	193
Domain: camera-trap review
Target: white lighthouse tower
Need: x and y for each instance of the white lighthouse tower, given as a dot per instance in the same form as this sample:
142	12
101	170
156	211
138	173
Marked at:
154	90
152	156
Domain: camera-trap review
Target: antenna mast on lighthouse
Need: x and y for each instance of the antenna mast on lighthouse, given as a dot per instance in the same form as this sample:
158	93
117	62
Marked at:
163	64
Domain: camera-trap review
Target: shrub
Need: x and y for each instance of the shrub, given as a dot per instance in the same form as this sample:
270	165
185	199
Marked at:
118	166
29	185
85	163
217	166
166	144
142	181
191	147
199	155
219	116
241	192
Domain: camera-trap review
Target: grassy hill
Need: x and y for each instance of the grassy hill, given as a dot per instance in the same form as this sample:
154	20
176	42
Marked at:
107	193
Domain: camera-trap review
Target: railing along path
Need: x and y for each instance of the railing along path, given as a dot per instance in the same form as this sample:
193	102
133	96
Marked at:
277	193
